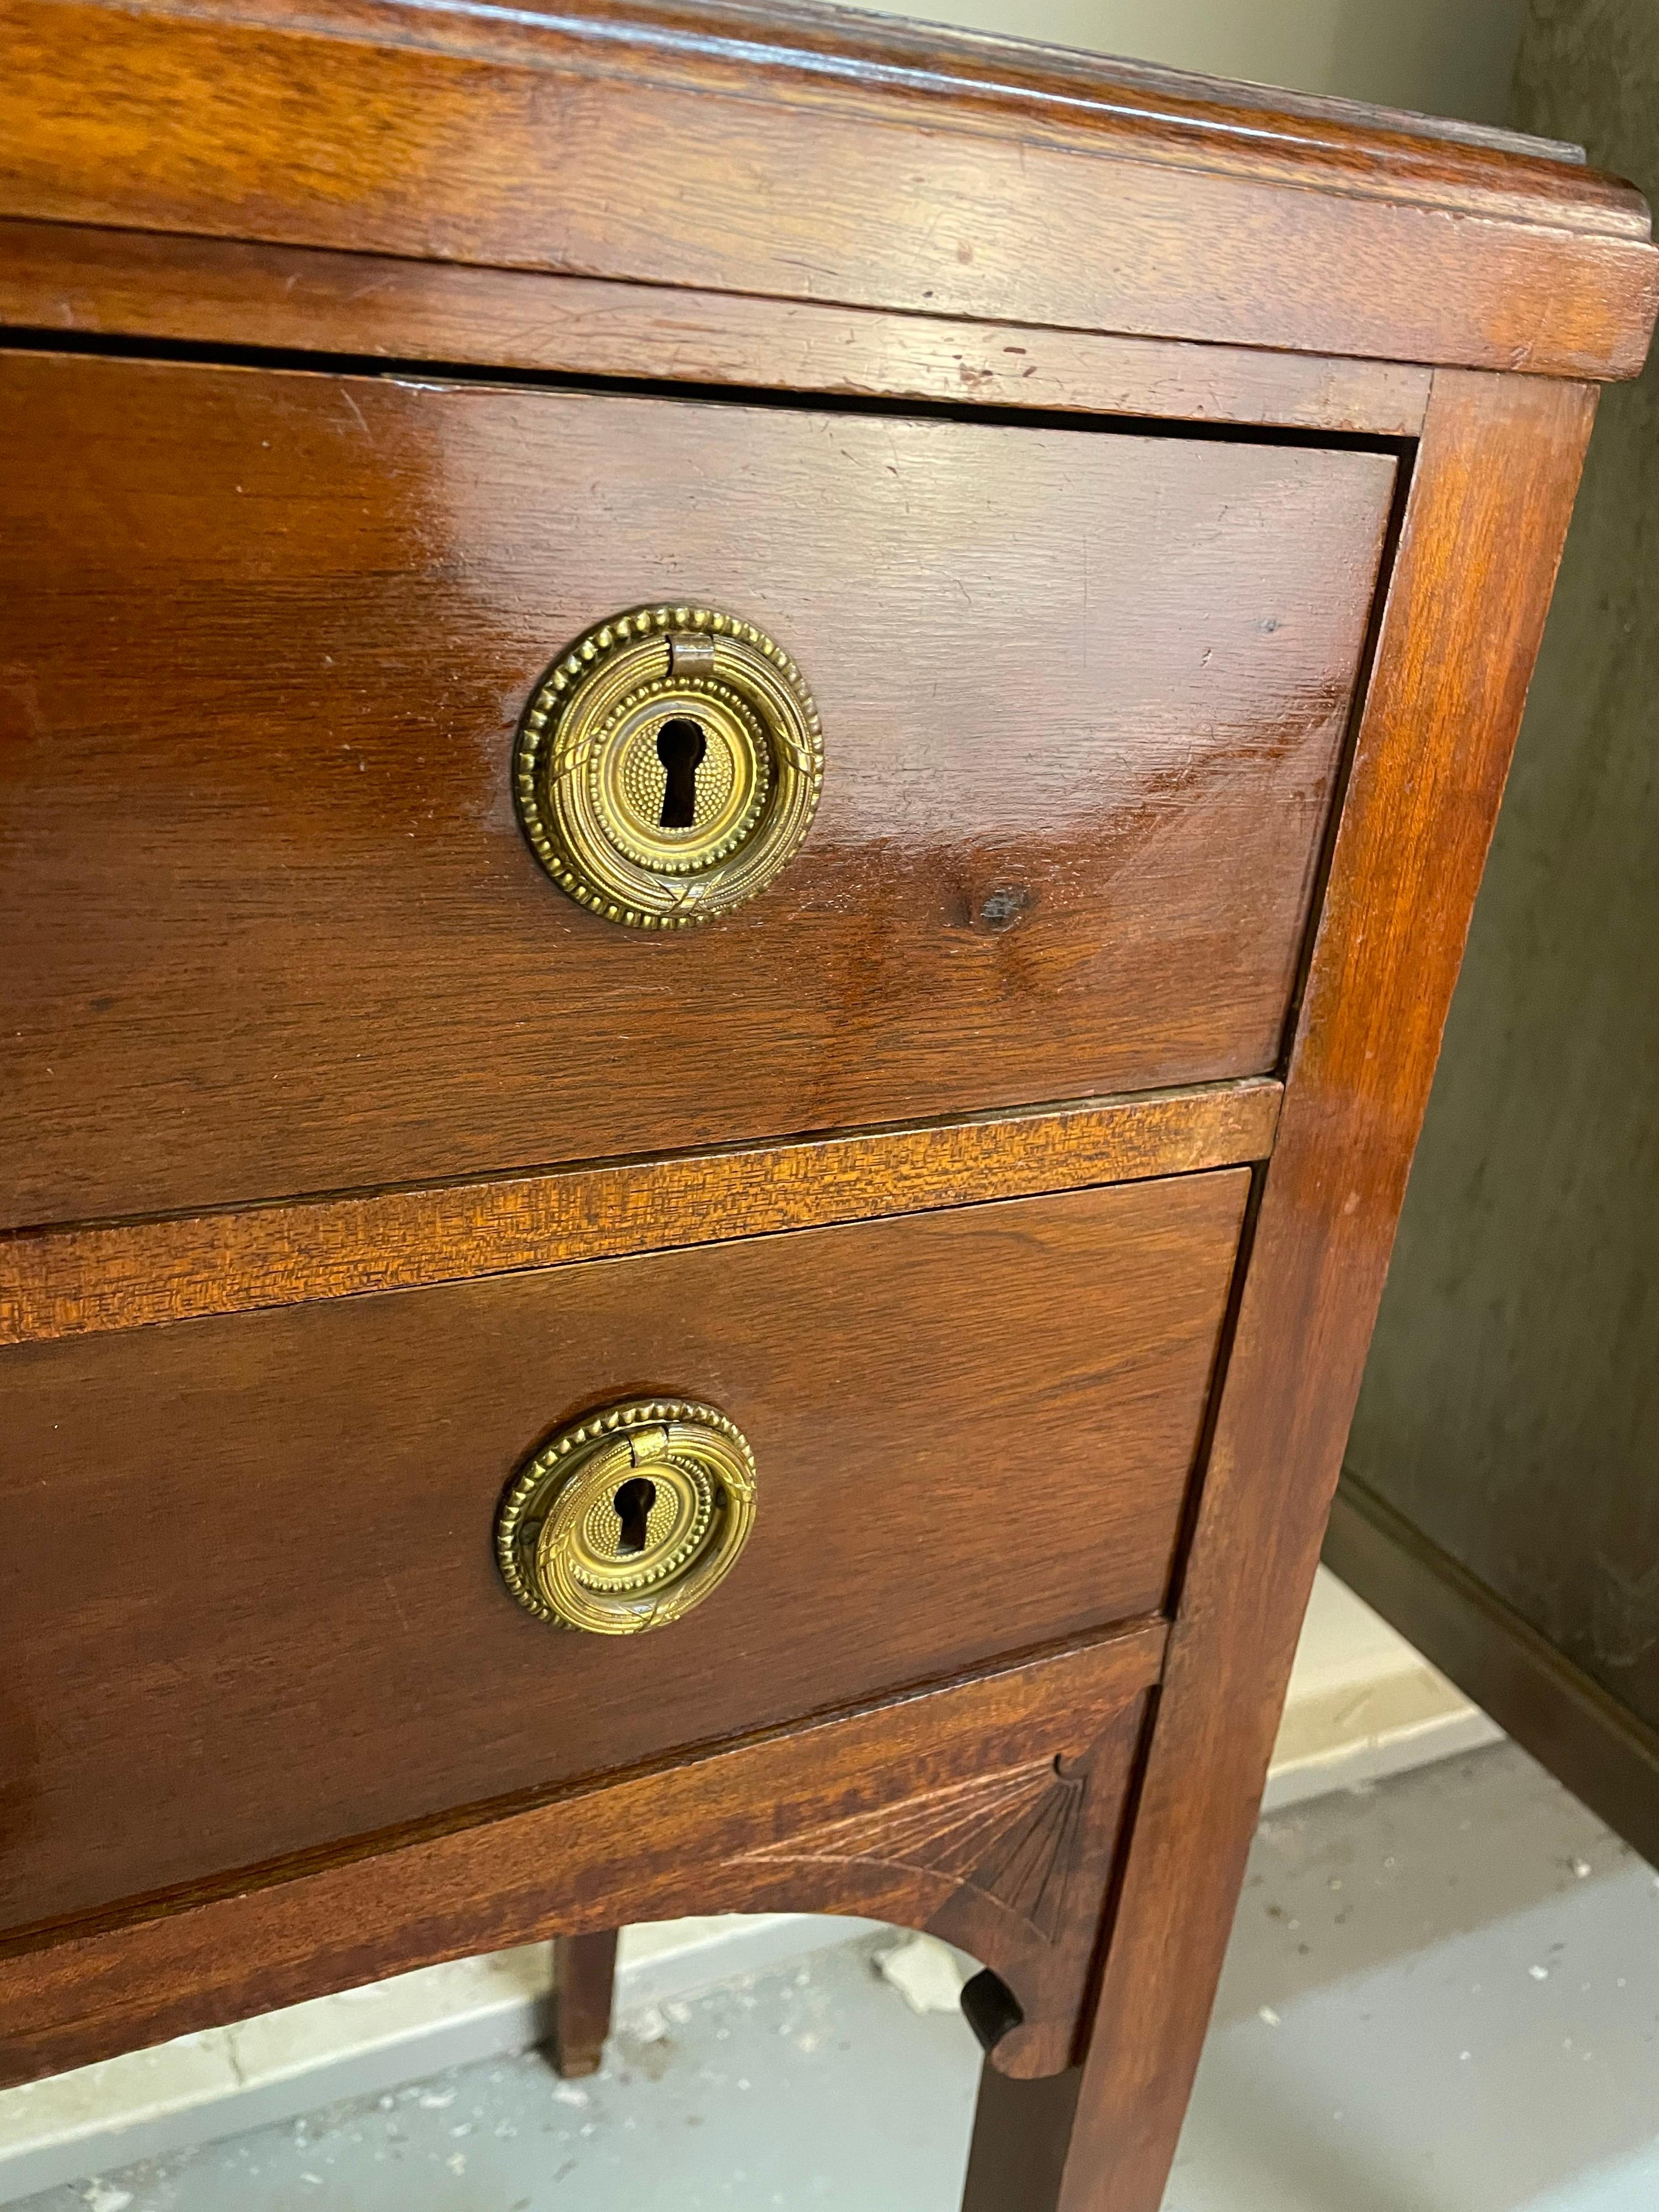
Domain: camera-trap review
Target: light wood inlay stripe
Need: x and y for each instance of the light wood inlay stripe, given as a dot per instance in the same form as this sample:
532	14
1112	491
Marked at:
80	1281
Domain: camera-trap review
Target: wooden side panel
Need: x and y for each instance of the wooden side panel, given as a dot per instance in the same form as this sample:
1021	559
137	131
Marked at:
1487	512
532	151
272	923
940	1809
230	1538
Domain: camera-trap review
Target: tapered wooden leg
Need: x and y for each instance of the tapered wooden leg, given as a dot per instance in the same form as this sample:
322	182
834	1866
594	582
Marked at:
584	1971
1022	2132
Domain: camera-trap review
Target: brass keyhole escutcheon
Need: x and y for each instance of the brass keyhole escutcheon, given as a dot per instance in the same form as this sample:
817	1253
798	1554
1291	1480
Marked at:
627	1520
668	767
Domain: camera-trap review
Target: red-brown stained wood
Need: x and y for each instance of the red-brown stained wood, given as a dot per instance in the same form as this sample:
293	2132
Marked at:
953	177
273	931
272	925
1022	2135
1483	533
713	1834
227	292
76	1282
857	63
584	1980
232	1537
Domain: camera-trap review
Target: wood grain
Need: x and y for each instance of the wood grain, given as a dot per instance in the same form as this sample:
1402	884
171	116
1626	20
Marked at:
849	58
1484	528
272	925
974	1432
584	1980
751	163
1024	1852
272	930
690	1839
779	43
74	278
1021	2136
76	1282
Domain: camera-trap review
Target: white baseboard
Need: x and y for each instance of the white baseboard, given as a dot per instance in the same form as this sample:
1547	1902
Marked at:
149	2104
1363	1704
1375	1758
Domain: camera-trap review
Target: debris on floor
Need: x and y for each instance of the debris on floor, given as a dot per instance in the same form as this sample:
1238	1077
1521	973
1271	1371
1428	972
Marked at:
1442	1996
927	1973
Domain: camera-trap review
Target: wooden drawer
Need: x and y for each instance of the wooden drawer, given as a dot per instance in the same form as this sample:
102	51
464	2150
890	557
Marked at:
272	923
251	1600
1057	1156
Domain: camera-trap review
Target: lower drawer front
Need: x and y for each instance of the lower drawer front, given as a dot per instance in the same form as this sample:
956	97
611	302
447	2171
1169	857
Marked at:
252	1584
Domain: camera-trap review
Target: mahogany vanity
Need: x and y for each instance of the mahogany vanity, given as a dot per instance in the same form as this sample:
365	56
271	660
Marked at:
743	755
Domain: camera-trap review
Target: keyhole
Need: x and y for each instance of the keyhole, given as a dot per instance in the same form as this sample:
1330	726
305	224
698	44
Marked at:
681	745
634	1502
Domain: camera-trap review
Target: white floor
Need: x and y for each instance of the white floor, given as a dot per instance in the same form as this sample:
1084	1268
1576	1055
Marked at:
1442	1996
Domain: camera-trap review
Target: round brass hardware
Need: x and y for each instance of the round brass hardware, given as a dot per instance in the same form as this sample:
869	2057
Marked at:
669	766
630	1518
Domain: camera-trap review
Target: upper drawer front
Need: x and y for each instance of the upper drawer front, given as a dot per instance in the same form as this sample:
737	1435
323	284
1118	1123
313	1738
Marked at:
249	1576
271	922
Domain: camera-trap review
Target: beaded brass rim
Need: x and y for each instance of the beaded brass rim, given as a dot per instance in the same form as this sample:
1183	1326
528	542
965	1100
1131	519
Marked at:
627	1520
668	765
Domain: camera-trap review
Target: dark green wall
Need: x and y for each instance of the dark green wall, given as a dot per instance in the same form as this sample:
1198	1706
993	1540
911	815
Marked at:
1510	1410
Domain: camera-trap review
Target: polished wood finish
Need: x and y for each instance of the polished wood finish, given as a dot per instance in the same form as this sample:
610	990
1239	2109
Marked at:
975	1431
72	277
1021	2140
486	138
1498	470
1163	753
908	1810
76	1282
584	1976
272	923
